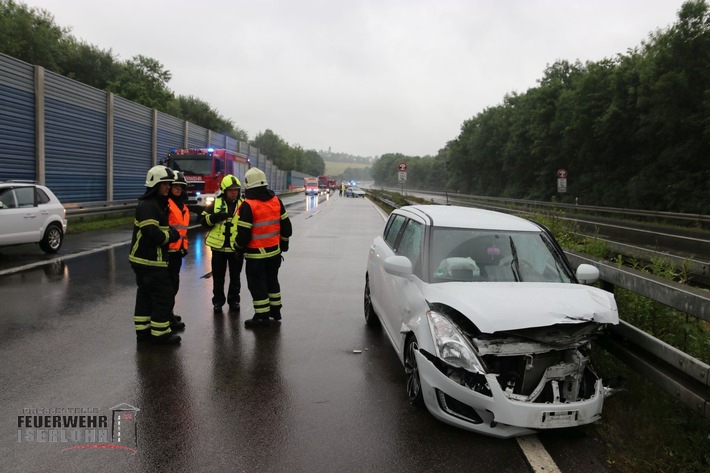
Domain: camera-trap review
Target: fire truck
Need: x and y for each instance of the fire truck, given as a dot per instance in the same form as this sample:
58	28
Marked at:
204	169
323	184
311	185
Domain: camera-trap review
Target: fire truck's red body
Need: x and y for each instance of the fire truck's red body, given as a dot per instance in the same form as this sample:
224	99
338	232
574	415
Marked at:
204	169
323	184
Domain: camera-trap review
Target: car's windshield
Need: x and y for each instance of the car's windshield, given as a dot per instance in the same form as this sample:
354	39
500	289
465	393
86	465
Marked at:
496	256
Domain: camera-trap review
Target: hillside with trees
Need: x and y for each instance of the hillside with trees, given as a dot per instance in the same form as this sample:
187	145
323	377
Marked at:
632	131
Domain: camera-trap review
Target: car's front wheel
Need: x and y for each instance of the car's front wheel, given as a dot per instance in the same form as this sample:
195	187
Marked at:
52	239
414	385
370	315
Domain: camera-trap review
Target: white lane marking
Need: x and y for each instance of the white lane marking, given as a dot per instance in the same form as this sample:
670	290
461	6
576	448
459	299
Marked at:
538	458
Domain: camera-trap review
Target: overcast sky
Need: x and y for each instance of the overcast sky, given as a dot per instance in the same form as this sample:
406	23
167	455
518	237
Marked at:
364	77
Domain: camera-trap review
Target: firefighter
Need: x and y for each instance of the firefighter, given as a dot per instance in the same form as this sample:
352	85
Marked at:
220	218
149	259
179	219
264	231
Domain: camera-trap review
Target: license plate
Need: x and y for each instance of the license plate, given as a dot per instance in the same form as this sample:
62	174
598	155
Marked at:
559	419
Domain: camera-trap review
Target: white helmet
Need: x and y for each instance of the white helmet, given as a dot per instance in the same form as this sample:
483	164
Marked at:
158	174
254	177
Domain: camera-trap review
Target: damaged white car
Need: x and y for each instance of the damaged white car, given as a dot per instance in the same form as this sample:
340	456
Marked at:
491	323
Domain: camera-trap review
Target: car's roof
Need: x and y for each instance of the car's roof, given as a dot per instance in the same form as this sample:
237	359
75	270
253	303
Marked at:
469	217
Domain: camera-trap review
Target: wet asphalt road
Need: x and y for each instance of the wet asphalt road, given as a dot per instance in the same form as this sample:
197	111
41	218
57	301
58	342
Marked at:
319	393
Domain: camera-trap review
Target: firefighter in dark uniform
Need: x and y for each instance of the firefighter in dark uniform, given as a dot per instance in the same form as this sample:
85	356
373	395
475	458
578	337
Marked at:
179	219
220	218
149	259
264	231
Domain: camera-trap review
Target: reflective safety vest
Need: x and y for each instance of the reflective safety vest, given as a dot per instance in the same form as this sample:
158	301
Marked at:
265	229
216	236
180	221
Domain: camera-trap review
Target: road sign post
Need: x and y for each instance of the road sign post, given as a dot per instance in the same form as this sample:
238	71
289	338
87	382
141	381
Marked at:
402	174
561	181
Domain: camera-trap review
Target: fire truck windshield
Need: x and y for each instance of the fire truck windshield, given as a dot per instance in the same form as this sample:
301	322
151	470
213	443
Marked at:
191	164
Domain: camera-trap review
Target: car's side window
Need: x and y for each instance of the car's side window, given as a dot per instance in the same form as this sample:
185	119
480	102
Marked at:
7	199
392	229
25	196
410	245
42	197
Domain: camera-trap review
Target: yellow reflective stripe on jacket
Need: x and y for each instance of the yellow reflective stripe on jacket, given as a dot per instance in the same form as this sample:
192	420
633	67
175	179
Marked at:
159	262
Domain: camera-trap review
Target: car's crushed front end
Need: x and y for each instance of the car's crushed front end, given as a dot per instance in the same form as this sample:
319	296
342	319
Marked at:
510	380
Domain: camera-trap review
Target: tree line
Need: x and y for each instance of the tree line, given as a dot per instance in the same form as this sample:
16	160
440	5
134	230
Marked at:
631	131
31	35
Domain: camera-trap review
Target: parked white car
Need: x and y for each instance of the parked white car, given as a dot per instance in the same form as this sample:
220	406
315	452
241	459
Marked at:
491	323
31	213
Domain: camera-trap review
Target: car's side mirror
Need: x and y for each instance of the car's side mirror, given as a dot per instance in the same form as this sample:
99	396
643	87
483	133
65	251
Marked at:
587	274
398	266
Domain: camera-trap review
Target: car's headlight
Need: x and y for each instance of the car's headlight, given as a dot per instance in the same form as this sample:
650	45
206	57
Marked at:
208	201
451	345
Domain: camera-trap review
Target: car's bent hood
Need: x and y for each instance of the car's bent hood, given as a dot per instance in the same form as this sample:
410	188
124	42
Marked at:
495	307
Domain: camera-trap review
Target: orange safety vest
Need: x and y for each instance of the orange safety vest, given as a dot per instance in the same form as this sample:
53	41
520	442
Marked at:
180	221
266	227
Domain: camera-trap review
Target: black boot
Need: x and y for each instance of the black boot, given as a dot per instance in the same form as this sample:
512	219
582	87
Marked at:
276	314
175	325
176	317
259	320
167	339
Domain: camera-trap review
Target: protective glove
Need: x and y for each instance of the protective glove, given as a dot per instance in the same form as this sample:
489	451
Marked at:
284	246
219	217
184	253
174	235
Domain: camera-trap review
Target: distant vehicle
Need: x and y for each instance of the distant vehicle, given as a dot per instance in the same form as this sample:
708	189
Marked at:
490	321
294	180
31	213
204	169
354	192
323	185
311	185
332	184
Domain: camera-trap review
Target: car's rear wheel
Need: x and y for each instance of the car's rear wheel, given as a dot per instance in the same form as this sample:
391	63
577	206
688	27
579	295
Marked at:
414	385
370	315
52	239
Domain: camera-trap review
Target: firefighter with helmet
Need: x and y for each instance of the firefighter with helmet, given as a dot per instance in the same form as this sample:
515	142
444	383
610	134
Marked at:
179	219
149	259
221	218
264	231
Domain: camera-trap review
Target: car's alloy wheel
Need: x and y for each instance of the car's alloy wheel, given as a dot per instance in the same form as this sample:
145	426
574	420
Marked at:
370	316
414	385
52	240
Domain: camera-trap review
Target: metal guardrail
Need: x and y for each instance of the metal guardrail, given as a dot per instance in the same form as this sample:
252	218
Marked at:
699	219
79	211
676	372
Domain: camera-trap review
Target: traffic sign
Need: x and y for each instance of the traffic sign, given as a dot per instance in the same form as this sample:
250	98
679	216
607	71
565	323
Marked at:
561	185
402	167
562	173
402	177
